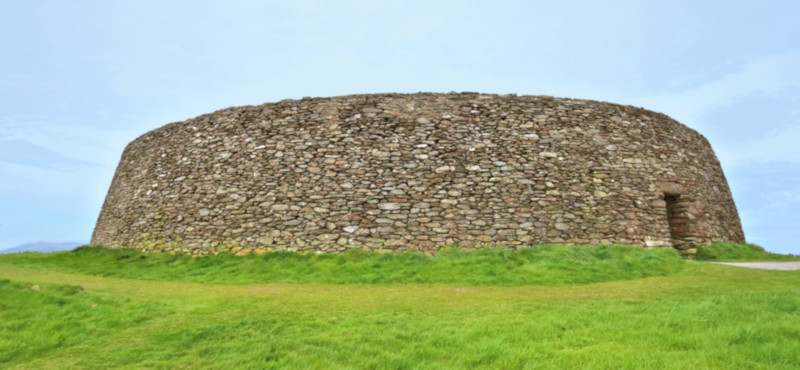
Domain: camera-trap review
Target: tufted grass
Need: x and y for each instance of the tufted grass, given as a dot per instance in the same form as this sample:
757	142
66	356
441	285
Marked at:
733	252
542	265
39	319
703	316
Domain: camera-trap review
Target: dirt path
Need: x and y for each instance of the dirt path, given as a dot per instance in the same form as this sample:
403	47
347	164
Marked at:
785	266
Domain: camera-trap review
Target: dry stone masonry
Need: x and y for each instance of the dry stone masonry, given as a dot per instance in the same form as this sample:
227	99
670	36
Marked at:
397	172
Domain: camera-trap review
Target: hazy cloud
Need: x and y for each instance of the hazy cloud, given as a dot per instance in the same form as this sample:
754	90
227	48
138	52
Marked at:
777	146
24	153
769	74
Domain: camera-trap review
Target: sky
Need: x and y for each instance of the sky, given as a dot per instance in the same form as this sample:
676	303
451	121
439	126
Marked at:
81	79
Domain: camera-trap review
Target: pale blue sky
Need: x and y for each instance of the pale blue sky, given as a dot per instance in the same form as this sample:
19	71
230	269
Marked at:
80	79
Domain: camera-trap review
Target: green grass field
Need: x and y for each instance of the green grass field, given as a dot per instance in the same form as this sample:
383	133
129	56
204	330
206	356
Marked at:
732	252
595	307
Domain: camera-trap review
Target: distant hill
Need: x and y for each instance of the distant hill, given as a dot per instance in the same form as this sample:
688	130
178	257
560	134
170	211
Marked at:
43	247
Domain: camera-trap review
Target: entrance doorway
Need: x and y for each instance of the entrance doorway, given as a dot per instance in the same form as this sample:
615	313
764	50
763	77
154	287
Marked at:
680	221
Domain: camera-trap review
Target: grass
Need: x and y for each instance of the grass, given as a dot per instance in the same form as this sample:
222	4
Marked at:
733	252
543	265
694	316
37	320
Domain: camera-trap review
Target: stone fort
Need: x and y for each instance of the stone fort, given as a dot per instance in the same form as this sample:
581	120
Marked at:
416	172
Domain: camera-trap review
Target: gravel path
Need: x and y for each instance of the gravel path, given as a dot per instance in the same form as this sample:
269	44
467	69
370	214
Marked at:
786	266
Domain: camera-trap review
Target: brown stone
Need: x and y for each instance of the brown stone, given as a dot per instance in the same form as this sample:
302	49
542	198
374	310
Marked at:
419	170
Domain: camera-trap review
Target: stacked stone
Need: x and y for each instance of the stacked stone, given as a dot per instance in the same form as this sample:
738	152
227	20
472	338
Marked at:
394	172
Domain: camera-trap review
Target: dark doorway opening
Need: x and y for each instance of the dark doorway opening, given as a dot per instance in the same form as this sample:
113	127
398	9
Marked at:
679	221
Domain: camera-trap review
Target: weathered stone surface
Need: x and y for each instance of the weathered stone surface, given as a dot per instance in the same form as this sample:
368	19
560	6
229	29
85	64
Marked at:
443	169
670	188
562	226
389	206
396	172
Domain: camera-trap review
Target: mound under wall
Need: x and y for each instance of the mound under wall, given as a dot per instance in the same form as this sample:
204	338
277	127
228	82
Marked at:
397	172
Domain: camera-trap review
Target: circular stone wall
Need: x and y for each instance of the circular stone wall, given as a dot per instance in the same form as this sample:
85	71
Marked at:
417	172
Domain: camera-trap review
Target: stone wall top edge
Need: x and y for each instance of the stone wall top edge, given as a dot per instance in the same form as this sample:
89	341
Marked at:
475	95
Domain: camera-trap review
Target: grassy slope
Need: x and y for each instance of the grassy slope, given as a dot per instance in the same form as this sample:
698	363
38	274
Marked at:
37	320
701	316
732	252
544	265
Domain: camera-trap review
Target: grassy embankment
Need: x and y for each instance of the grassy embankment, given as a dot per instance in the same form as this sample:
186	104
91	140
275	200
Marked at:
732	252
544	265
104	308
